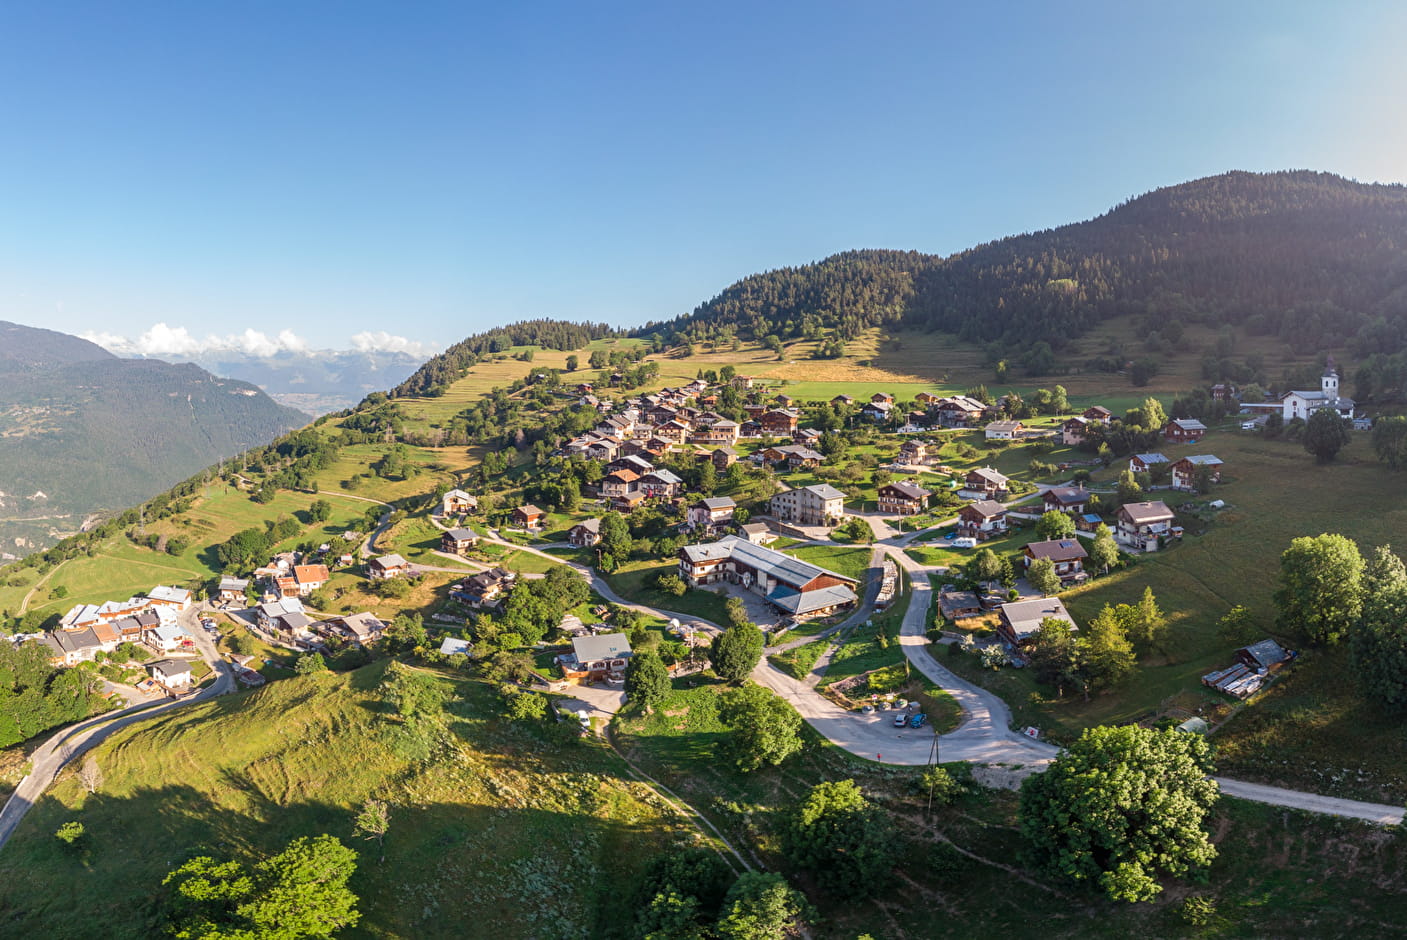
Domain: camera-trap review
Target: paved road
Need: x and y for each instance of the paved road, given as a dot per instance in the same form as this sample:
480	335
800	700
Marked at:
54	754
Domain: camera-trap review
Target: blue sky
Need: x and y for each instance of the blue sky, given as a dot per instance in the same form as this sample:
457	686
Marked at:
429	170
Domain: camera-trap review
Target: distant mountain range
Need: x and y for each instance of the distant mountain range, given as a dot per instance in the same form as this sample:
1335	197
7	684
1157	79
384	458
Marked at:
83	431
315	382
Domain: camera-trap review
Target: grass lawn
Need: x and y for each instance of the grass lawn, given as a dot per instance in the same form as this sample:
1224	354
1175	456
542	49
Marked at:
246	773
799	661
528	563
636	582
864	650
851	562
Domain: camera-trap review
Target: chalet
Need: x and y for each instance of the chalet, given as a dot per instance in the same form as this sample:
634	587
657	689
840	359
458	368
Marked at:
286	586
713	511
1074	431
903	498
457	502
1185	472
757	533
818	505
723	458
1143	463
632	462
387	566
959	411
723	433
1302	404
1067	555
71	647
361	629
1019	621
877	411
742	382
232	590
599	658
779	421
1184	430
672	431
927	398
881	398
291	626
660	414
268	615
173	597
627	502
620	483
1098	414
1003	430
603	449
799	456
484	589
1222	392
914	453
986	481
654	446
1067	499
1088	522
843	400
959	605
1143	525
808	436
458	541
529	516
755	411
310	577
168	638
982	520
585	533
793	586
172	674
750	428
83	615
618	427
663	484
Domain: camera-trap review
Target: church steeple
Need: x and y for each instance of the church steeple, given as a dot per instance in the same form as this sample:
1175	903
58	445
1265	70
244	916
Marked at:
1329	384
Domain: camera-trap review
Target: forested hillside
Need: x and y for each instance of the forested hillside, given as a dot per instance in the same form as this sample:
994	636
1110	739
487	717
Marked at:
449	365
1317	260
82	431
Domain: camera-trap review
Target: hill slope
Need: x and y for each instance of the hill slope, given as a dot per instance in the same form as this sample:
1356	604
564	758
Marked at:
1311	257
82	431
497	828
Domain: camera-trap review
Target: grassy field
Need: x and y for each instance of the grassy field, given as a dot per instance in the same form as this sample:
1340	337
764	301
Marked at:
851	562
1278	874
799	661
636	581
244	774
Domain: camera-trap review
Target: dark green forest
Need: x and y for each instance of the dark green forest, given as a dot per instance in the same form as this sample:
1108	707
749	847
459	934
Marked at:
450	365
1315	259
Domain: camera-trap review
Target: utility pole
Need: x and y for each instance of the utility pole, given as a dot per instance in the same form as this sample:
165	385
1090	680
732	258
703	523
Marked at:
932	762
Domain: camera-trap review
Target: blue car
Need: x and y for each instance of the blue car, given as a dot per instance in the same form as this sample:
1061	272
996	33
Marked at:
917	721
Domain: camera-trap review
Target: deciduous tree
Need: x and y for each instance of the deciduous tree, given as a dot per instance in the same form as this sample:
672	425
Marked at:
1106	654
1122	807
1042	576
761	906
1055	525
1325	434
1320	594
766	730
736	651
1103	551
843	840
646	679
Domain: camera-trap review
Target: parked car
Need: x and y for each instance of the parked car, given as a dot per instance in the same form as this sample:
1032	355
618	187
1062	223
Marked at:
918	720
867	710
965	542
900	720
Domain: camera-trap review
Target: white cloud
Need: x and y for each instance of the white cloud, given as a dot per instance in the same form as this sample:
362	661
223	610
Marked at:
178	342
381	341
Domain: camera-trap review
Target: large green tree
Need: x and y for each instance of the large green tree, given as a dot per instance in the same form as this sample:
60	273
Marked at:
299	893
1103	551
1390	441
1055	525
1122	807
1055	657
1380	636
1325	434
646	679
842	839
761	906
615	537
1320	594
736	651
1106	655
766	730
1041	574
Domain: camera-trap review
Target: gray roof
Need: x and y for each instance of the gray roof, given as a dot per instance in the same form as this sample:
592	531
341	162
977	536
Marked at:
908	490
1188	424
665	476
753	528
987	507
1150	459
796	603
780	567
987	473
1143	513
390	561
171	667
1203	460
718	502
1266	652
824	491
591	525
295	621
233	584
1067	494
71	641
605	646
1025	616
461	535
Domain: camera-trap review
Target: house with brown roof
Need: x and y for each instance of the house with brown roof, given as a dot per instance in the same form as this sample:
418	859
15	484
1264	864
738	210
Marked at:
903	498
914	453
484	589
529	516
982	520
619	483
723	458
362	629
959	411
1098	413
1074	431
779	421
1067	555
1143	525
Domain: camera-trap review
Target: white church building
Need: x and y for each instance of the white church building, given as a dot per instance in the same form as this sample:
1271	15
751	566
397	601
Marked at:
1301	405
